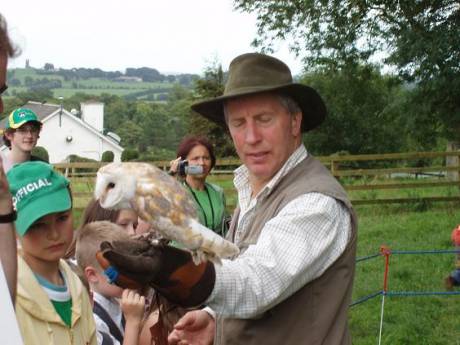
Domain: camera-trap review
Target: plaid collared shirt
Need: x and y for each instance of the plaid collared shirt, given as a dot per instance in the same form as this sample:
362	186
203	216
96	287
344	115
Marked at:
294	248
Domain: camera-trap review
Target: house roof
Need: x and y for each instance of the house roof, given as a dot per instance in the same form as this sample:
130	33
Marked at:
43	111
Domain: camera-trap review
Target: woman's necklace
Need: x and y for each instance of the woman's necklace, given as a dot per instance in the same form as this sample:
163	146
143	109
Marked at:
211	226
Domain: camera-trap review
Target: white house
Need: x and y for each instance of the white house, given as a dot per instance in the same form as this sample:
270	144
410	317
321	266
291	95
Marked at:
64	134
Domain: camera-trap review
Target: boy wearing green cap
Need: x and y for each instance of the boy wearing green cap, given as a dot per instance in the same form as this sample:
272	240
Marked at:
52	306
21	133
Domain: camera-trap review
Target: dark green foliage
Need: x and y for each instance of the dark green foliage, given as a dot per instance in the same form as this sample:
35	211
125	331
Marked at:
129	155
107	156
363	113
420	40
41	152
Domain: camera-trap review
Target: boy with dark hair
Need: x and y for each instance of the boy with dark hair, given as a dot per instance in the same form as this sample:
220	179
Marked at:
21	133
52	306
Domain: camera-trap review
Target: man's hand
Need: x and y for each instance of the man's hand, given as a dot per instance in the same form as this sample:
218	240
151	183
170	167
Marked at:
196	327
169	270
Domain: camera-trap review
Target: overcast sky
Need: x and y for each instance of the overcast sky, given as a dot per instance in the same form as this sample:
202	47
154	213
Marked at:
169	35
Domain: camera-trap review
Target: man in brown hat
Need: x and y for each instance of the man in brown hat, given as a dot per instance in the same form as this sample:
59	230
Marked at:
294	225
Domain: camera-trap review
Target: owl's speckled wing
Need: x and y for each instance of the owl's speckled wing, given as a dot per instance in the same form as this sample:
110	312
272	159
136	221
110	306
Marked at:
160	195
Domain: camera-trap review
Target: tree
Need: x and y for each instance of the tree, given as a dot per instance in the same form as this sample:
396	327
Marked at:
130	132
364	114
420	39
129	155
212	85
48	67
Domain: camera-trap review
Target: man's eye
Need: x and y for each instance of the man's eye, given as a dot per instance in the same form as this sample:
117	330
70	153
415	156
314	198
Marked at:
265	118
236	123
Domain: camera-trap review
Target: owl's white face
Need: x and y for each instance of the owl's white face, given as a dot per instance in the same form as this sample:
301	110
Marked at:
115	190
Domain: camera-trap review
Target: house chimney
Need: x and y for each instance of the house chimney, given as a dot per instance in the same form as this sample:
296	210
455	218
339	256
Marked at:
92	113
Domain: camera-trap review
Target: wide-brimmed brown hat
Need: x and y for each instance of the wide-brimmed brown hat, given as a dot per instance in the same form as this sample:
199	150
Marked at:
256	73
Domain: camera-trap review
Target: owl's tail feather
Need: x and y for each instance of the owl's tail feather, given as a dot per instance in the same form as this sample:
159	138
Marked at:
214	246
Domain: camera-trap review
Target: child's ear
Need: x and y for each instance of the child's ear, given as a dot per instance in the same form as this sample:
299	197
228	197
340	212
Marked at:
91	275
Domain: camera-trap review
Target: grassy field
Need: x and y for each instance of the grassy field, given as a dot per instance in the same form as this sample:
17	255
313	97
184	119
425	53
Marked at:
408	319
91	86
430	320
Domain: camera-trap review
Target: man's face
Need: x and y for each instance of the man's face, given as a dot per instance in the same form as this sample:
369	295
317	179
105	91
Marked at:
264	134
3	61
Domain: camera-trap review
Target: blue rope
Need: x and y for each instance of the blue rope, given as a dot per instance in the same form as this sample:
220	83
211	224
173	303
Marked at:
364	299
421	293
443	251
363	258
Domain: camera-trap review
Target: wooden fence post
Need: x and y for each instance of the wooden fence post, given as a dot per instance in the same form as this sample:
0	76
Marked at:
452	161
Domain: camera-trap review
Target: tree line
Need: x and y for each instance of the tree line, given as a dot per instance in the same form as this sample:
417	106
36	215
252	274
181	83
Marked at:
388	71
368	112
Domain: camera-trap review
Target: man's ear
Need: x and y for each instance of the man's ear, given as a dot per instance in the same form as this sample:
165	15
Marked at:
91	275
296	121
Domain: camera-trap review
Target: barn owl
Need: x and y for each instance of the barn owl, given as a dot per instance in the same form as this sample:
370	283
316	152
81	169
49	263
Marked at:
162	201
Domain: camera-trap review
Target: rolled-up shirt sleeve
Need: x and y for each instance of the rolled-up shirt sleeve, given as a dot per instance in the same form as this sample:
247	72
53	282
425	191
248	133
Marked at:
294	248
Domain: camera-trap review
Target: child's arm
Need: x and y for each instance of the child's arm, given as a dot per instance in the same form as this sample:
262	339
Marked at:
132	305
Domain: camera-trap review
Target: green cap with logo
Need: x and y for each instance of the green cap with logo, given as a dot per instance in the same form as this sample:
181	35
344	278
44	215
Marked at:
37	190
19	117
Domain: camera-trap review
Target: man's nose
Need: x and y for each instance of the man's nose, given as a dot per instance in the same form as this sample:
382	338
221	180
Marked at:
252	134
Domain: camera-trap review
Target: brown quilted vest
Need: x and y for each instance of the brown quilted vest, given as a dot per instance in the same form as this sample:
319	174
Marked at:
317	312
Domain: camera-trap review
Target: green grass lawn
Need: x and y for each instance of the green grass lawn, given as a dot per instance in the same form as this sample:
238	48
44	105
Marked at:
429	320
407	320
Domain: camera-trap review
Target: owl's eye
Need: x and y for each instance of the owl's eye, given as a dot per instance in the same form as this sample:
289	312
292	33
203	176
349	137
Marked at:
111	185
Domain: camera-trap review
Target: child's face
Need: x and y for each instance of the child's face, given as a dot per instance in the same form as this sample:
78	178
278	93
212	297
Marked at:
25	137
48	238
127	219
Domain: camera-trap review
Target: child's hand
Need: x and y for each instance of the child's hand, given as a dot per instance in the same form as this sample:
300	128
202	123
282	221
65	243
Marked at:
132	305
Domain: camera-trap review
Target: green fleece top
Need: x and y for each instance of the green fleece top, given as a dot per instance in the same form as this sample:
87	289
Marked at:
210	204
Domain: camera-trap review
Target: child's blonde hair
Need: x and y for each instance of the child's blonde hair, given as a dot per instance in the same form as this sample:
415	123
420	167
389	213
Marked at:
90	237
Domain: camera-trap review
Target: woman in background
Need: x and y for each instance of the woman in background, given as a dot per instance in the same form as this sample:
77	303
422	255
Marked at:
209	198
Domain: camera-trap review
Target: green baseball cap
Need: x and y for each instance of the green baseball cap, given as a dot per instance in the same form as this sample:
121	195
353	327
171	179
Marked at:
19	117
37	190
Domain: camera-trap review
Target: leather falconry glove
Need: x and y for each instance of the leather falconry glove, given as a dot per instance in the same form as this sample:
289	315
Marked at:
169	270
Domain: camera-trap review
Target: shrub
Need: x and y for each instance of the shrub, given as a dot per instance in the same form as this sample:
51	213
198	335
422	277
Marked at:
107	156
129	155
40	152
